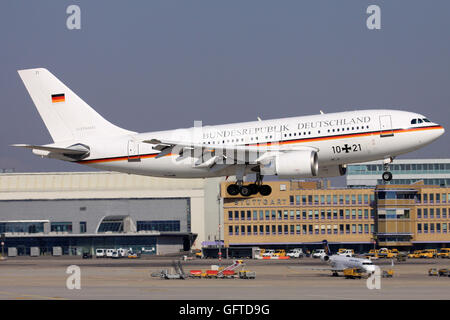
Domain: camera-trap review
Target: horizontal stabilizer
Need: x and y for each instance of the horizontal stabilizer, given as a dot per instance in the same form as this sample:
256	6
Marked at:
75	150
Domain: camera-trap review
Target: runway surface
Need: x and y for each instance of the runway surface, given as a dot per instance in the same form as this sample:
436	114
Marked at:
46	277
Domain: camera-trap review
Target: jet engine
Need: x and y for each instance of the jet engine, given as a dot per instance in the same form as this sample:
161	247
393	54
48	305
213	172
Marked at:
294	164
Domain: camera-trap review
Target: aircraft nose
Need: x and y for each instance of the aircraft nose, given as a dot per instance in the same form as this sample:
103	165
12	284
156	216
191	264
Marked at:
439	131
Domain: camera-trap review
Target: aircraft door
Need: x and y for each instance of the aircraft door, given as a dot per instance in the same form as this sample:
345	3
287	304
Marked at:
386	126
133	151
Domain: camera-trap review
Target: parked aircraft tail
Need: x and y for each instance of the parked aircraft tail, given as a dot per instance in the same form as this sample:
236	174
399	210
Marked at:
66	116
326	247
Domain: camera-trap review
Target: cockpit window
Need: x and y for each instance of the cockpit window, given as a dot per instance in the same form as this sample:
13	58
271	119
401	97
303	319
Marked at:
413	121
426	120
419	120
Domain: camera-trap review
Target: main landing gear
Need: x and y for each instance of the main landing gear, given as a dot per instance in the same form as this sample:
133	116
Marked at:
250	189
387	175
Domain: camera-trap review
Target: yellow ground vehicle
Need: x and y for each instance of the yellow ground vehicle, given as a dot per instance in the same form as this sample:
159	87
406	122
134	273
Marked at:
280	253
373	254
388	273
354	273
416	254
428	253
444	253
386	253
197	253
341	250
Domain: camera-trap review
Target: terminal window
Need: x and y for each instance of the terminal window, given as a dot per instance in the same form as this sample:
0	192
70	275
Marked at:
25	227
158	225
61	227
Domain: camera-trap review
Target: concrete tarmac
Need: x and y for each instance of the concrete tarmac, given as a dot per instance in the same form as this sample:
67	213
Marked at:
46	278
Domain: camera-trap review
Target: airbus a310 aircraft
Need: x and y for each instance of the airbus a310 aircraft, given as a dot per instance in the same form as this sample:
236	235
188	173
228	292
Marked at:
299	147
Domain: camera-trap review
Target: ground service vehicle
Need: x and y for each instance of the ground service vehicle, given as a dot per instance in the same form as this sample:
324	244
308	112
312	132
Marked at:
386	253
444	272
280	253
295	253
416	254
109	253
373	254
444	253
133	255
346	253
100	253
319	253
268	253
428	253
353	273
198	253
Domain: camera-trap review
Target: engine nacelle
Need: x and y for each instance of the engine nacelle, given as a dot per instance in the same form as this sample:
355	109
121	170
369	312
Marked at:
294	164
332	171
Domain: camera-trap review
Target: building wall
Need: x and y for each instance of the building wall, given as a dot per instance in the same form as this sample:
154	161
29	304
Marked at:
338	215
92	211
428	206
405	171
342	216
202	193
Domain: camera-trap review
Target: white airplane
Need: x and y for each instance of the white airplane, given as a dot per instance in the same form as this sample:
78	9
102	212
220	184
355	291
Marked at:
299	147
340	262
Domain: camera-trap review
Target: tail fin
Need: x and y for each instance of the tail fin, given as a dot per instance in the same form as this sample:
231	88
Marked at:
66	116
326	247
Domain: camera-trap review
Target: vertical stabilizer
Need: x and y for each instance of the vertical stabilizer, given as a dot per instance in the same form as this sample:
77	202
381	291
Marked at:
66	116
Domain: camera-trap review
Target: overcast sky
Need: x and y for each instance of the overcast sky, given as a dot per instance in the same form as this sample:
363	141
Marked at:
156	65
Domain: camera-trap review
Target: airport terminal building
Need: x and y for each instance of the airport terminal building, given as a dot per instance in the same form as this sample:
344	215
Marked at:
302	214
82	211
76	212
404	171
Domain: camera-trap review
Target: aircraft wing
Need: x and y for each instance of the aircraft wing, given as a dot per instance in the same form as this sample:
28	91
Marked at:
234	154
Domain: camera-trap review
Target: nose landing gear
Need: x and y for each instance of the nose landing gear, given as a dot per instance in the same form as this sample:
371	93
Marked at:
387	175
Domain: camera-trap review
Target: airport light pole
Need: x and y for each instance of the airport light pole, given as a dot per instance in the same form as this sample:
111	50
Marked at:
3	237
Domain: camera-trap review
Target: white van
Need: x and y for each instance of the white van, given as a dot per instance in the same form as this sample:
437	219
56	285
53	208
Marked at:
122	252
295	253
109	253
319	253
100	253
346	253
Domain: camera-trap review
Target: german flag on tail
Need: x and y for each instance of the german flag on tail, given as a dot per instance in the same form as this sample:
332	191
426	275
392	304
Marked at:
58	97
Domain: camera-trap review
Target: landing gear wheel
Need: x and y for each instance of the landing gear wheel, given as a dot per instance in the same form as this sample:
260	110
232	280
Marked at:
265	190
253	188
233	189
387	176
245	191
